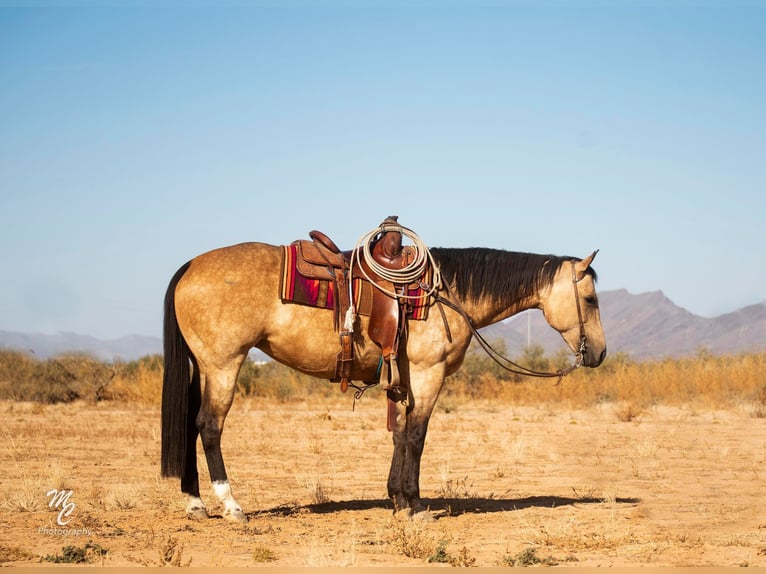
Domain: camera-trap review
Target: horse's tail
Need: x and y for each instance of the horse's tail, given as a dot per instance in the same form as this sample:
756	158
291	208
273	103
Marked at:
175	386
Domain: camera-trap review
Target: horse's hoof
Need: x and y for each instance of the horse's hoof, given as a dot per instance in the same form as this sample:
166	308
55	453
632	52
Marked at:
236	516
403	514
197	513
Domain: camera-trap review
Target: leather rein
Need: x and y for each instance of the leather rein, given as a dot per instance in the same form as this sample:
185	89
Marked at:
505	362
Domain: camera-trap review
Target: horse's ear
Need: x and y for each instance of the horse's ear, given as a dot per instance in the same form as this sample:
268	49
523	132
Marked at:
582	266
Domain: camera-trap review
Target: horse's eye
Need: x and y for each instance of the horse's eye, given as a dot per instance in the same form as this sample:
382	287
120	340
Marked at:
590	300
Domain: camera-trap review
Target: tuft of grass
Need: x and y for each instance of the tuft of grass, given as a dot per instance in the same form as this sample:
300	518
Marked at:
171	553
263	554
123	498
529	557
411	540
463	559
78	554
628	413
457	488
440	555
28	496
14	554
319	493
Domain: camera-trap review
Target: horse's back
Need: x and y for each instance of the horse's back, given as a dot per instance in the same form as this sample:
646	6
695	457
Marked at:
249	257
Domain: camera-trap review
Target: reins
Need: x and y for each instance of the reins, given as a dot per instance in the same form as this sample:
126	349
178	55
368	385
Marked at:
415	269
508	364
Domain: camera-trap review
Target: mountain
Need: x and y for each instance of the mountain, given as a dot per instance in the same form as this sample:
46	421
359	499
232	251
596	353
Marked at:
644	326
45	346
647	326
126	348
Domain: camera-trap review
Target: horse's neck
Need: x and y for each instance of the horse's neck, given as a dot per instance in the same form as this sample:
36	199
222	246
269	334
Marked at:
487	312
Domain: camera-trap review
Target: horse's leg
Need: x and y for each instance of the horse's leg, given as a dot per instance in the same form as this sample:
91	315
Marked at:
195	508
395	474
217	396
404	477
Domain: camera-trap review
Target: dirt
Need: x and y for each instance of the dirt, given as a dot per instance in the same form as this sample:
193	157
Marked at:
509	485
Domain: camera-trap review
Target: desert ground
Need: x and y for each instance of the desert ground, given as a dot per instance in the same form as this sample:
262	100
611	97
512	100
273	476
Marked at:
509	485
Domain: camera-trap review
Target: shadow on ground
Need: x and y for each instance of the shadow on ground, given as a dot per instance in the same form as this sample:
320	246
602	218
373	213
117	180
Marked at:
448	506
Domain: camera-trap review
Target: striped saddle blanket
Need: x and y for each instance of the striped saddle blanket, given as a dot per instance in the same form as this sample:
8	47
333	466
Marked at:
297	288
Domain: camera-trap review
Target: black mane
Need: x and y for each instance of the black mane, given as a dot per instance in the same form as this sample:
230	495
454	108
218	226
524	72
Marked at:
505	276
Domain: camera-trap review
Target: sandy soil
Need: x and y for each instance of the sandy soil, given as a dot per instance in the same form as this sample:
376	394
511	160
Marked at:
511	485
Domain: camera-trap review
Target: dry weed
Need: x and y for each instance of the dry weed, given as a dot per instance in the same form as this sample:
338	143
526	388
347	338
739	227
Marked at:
529	557
628	412
14	554
317	490
25	495
263	554
171	553
411	540
122	497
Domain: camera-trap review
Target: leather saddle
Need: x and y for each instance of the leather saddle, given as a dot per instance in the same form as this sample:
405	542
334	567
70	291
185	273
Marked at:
321	258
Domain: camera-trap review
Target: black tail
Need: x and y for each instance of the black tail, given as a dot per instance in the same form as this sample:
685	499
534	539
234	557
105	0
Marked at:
175	386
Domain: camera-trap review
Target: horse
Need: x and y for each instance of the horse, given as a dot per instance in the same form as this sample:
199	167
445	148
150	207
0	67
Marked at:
222	303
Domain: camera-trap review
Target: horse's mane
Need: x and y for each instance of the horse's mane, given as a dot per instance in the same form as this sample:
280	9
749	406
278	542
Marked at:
505	276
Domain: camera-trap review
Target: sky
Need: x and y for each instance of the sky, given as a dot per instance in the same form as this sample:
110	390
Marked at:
136	135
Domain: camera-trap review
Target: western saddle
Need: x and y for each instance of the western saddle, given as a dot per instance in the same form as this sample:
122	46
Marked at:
322	259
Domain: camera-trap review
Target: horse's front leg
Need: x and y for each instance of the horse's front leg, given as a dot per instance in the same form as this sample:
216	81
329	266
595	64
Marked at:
396	473
404	476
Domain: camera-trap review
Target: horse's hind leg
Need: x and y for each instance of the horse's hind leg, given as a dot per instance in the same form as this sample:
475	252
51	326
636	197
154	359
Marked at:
195	508
217	396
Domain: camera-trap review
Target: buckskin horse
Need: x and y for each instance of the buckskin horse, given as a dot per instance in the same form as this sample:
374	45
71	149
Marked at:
222	303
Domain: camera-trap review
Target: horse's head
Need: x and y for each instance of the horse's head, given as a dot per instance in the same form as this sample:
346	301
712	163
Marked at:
570	306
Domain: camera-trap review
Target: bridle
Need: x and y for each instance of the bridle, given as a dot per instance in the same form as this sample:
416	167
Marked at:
583	339
505	362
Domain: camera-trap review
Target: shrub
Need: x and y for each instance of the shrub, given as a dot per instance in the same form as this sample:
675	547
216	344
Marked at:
705	380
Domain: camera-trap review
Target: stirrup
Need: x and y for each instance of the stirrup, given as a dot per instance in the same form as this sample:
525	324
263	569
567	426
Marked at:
394	388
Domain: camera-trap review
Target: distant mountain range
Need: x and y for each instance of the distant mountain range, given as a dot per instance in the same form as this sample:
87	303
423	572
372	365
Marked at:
644	326
45	346
647	326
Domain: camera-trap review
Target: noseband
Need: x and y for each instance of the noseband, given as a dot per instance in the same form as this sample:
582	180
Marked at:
505	362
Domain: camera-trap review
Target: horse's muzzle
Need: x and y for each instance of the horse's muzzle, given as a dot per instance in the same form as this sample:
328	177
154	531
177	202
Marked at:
593	360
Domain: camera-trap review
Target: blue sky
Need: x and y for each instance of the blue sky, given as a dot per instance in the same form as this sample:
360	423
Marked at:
136	136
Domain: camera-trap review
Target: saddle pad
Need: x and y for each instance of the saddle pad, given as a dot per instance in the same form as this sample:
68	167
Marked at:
295	287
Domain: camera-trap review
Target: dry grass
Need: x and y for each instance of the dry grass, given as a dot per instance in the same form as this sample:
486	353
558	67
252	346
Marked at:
704	381
413	540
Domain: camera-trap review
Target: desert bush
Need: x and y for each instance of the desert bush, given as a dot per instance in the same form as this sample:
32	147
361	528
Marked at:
139	381
86	554
704	380
275	381
60	379
707	380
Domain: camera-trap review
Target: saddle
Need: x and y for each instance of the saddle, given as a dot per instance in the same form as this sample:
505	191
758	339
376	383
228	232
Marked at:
321	258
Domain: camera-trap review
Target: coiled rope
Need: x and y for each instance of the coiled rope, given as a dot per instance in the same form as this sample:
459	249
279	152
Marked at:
410	273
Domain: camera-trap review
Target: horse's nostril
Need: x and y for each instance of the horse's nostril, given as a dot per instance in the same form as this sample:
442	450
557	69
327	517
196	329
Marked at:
602	356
